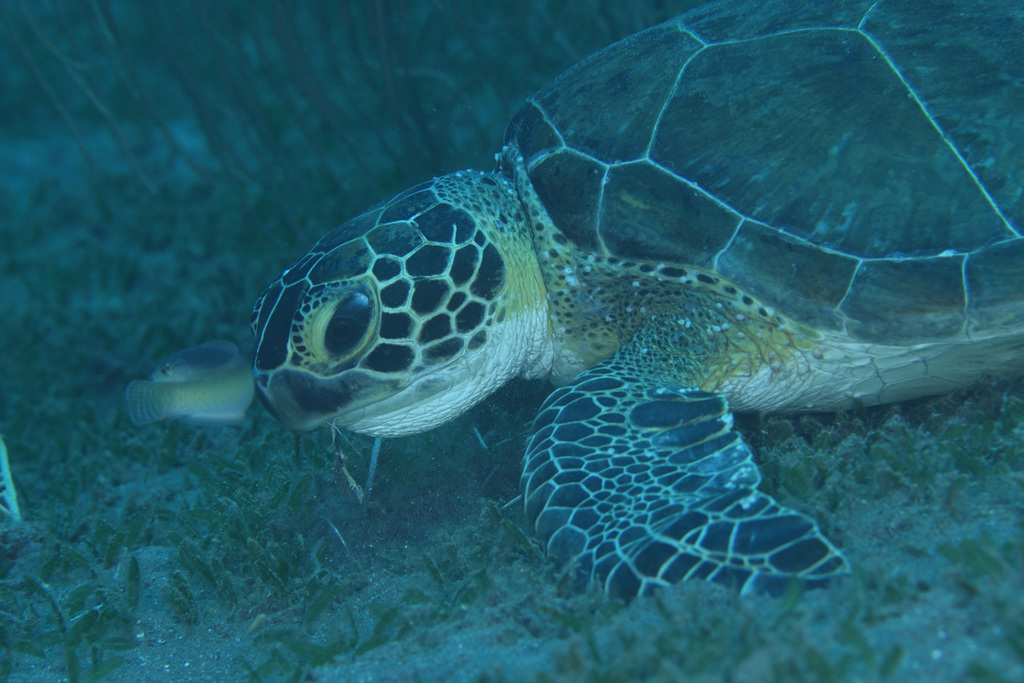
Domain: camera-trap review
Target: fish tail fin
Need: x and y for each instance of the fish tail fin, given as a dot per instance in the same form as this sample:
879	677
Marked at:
145	402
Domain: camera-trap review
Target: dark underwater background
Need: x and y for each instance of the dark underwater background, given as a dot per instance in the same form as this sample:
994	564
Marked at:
161	163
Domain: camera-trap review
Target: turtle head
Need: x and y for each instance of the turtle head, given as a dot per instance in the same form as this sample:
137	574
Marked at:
405	316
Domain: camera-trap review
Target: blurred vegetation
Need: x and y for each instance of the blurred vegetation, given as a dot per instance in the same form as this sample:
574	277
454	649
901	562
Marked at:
311	110
163	162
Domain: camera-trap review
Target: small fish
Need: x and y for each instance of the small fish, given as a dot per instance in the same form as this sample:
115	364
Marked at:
210	384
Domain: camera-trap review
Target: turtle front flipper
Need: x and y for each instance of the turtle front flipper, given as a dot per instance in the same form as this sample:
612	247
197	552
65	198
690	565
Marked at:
642	483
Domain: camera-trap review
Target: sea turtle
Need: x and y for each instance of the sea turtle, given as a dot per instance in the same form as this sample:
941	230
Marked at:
754	206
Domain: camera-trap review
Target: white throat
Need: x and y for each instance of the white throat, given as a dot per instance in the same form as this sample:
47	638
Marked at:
520	346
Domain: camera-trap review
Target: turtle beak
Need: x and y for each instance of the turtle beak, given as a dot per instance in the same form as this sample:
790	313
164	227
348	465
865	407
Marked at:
298	400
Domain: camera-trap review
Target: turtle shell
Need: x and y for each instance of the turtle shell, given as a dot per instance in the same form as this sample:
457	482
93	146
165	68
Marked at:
857	164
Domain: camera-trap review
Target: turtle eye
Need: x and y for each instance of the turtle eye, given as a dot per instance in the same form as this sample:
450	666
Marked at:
348	324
